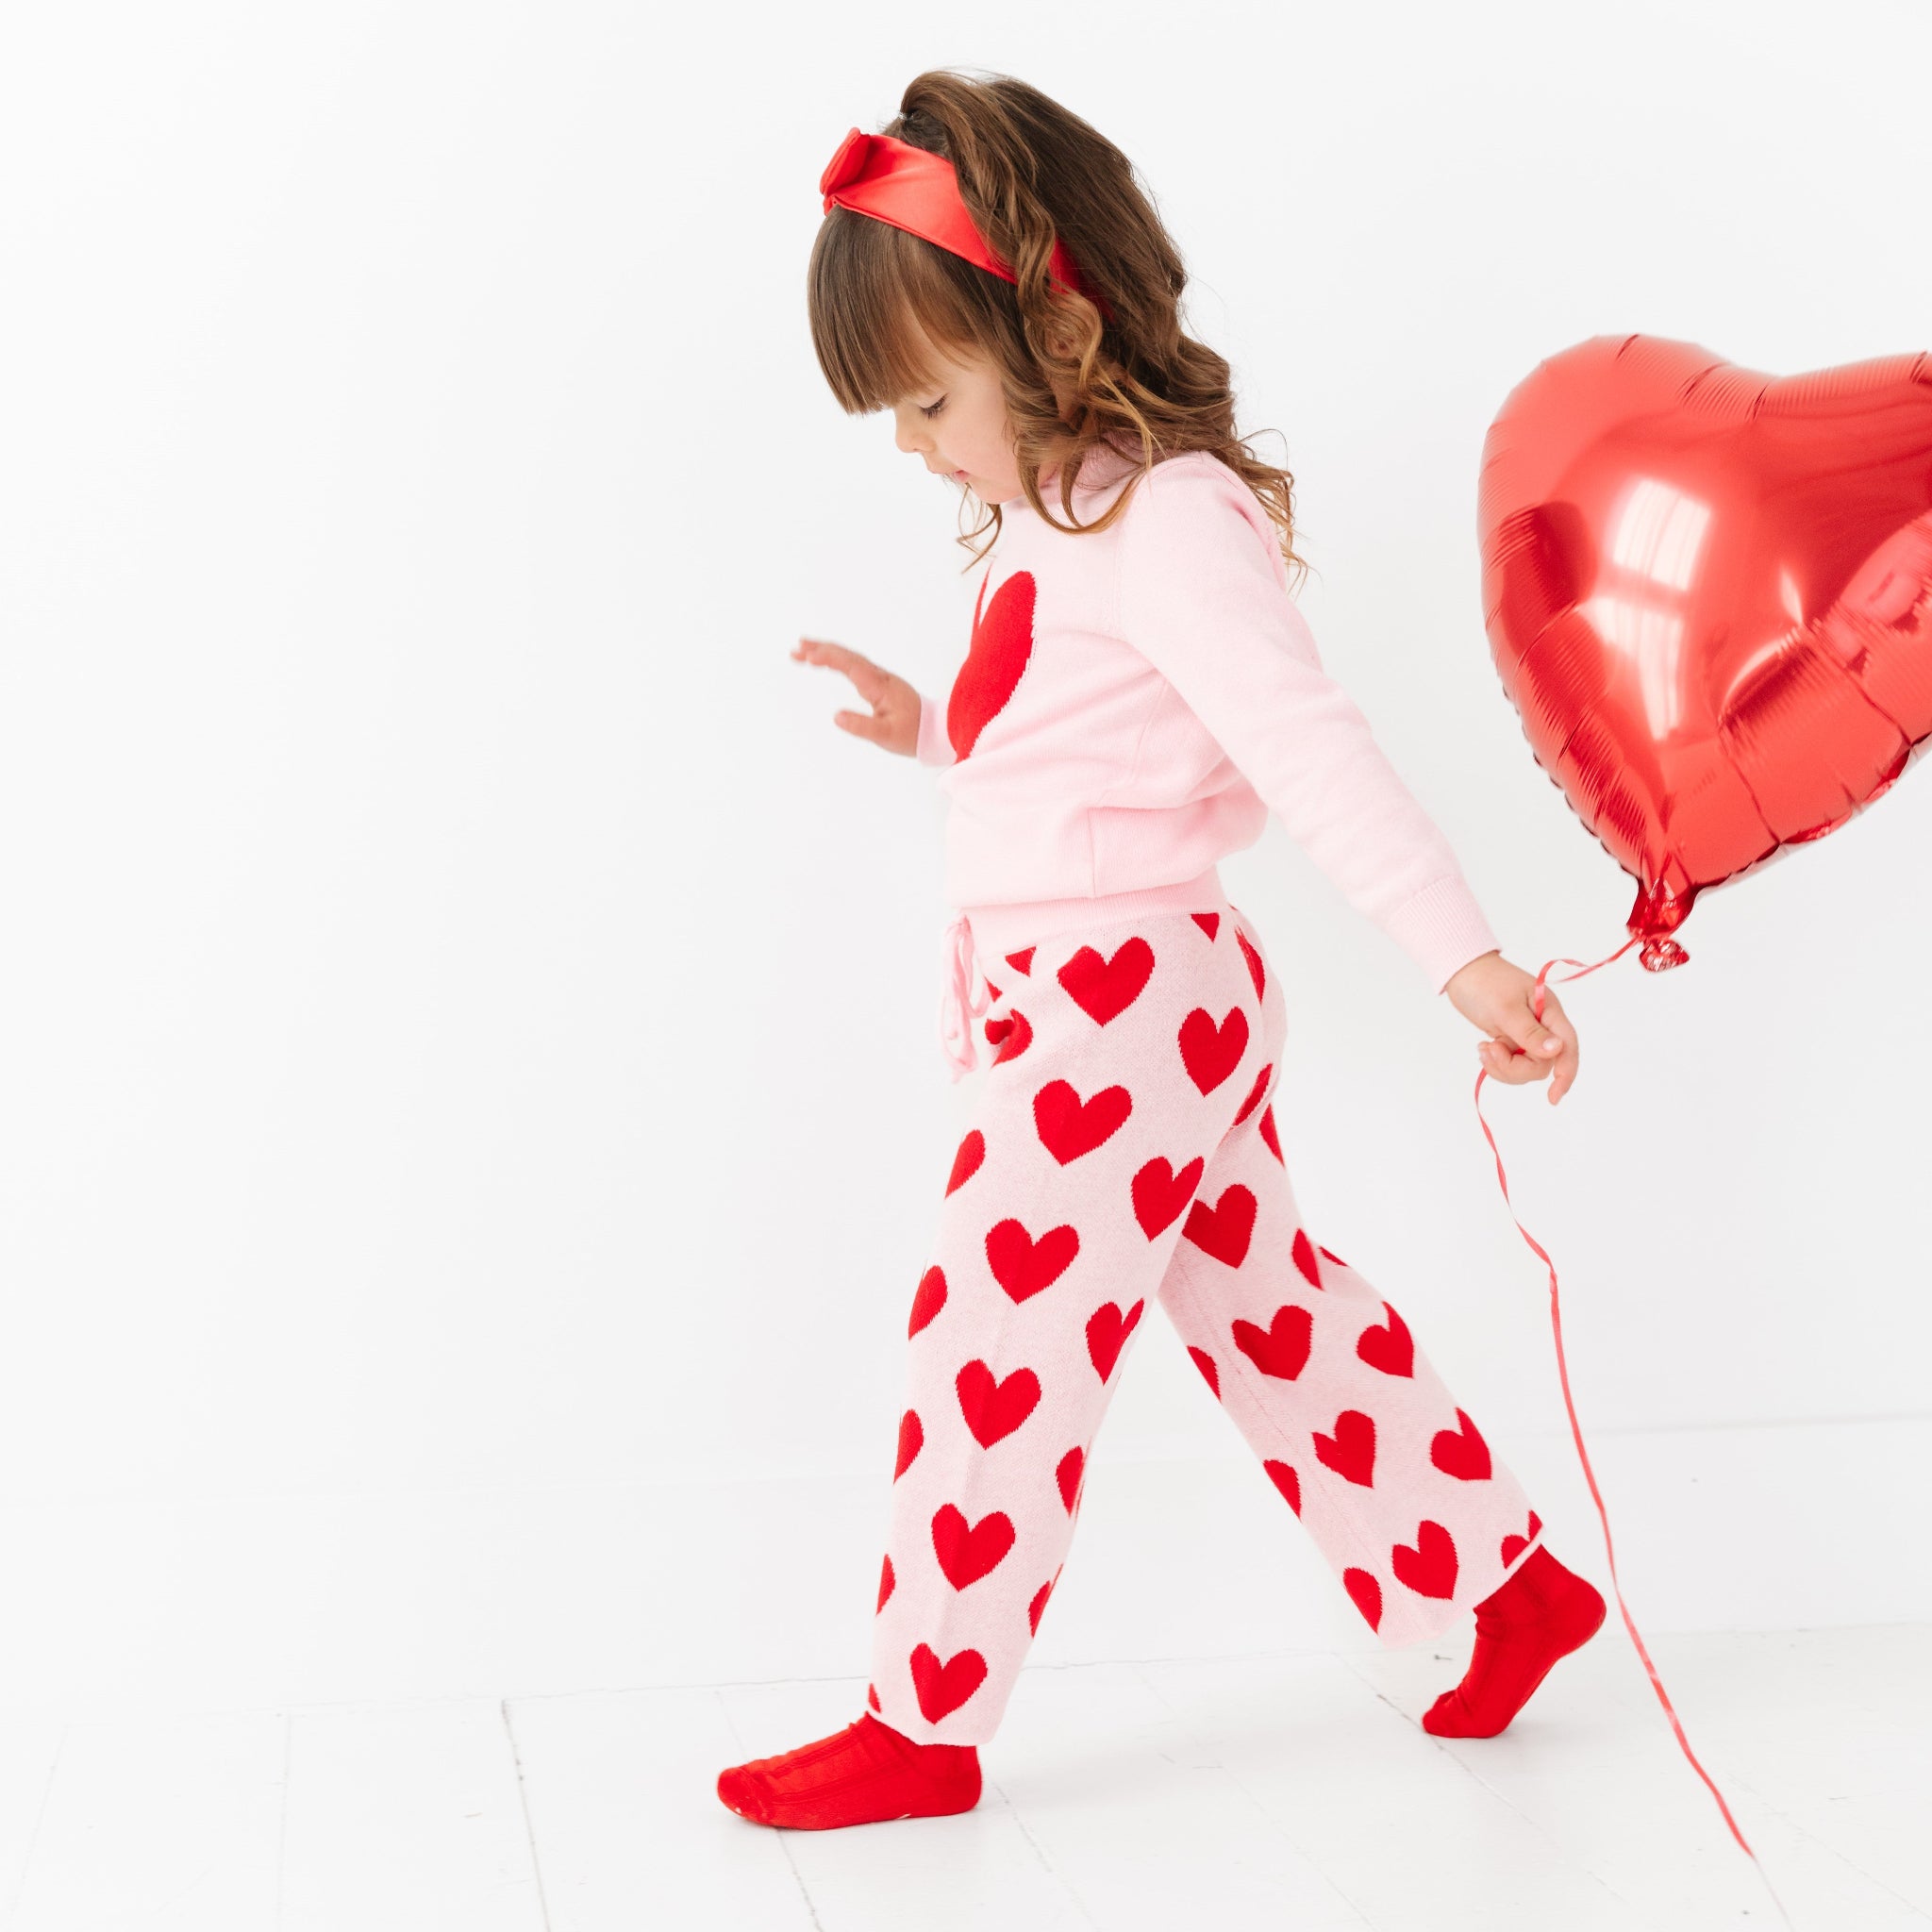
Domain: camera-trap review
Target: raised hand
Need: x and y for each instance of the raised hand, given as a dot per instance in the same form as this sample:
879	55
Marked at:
893	722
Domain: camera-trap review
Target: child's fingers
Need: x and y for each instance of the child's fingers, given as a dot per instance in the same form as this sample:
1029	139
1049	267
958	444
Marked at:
859	725
867	678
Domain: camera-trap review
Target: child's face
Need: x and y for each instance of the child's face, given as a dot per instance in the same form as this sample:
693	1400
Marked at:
968	438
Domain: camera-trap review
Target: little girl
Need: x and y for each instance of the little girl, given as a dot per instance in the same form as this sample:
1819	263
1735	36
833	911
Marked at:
1139	689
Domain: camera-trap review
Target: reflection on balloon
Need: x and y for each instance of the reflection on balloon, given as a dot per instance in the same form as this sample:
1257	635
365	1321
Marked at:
1708	595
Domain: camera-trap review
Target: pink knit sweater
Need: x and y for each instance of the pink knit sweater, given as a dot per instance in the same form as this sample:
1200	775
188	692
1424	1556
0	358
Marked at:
1132	704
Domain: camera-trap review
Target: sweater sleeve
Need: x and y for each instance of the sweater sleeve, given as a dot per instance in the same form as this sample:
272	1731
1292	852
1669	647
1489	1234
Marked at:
934	747
1202	597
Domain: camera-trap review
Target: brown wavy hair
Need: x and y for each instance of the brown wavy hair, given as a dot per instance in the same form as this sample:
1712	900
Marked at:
1074	377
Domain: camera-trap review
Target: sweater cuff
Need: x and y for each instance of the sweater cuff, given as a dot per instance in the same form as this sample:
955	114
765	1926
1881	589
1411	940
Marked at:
1442	928
934	747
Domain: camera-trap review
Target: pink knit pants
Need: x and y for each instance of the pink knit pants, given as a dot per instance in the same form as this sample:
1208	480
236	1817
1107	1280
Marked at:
1124	1150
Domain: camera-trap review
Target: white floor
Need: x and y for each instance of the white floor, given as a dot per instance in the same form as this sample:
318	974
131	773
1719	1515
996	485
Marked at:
1283	1790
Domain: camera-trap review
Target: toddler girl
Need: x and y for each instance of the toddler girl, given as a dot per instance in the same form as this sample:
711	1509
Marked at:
1138	691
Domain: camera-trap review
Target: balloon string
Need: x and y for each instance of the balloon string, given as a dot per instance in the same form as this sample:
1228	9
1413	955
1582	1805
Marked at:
1576	1433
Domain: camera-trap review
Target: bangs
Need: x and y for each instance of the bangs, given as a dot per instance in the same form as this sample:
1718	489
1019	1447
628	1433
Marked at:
881	301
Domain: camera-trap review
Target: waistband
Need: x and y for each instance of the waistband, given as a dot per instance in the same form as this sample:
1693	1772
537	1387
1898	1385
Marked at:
1005	928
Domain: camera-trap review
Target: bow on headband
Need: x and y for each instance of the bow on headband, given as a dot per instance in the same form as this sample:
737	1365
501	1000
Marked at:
913	189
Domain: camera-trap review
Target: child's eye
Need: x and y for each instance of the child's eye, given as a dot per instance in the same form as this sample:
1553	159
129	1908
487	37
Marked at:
930	413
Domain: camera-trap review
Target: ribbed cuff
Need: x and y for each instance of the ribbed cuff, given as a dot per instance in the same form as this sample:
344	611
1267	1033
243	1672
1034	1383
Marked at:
935	747
1442	928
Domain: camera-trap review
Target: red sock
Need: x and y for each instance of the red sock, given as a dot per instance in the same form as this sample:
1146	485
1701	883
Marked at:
860	1775
1541	1612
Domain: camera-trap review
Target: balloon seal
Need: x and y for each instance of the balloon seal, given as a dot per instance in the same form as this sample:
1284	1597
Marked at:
1660	953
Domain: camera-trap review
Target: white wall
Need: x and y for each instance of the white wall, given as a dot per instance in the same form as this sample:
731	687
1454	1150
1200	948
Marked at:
471	1114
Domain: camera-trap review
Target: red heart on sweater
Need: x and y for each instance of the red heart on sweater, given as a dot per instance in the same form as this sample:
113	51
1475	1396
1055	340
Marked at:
1304	1251
967	1551
1211	1053
966	1161
911	1439
1460	1452
1266	1123
1107	1334
930	1299
943	1687
1255	1093
1021	962
886	1581
1334	1258
1209	922
1210	1373
1253	960
1389	1347
1002	642
1288	1482
871	1696
1067	1475
1281	1349
1159	1194
1104	988
1023	1266
1350	1452
1225	1229
1070	1127
1429	1567
994	1410
1365	1593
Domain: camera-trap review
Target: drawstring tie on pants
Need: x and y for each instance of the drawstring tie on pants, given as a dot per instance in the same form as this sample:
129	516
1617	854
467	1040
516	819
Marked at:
959	1008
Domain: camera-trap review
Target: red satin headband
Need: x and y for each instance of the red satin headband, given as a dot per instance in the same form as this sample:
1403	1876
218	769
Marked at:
915	190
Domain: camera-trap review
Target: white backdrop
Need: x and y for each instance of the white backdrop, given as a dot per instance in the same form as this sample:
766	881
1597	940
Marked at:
472	1116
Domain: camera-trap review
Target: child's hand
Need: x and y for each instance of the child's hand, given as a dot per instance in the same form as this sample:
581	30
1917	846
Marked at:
895	721
1495	996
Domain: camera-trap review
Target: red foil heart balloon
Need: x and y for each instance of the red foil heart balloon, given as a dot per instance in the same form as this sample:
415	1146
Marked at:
1708	595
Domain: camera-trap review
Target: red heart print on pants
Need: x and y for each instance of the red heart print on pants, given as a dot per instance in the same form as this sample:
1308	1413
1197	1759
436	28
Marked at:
943	1687
1001	643
911	1439
1350	1452
1210	1373
1159	1194
967	1551
1255	1093
1104	988
1023	1266
994	1410
886	1581
1253	960
1513	1546
930	1299
1389	1347
1068	1127
1461	1451
1281	1349
1038	1603
1305	1257
1429	1567
1288	1482
1107	1332
1224	1230
1211	1053
1013	1035
1067	1473
1365	1593
966	1161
